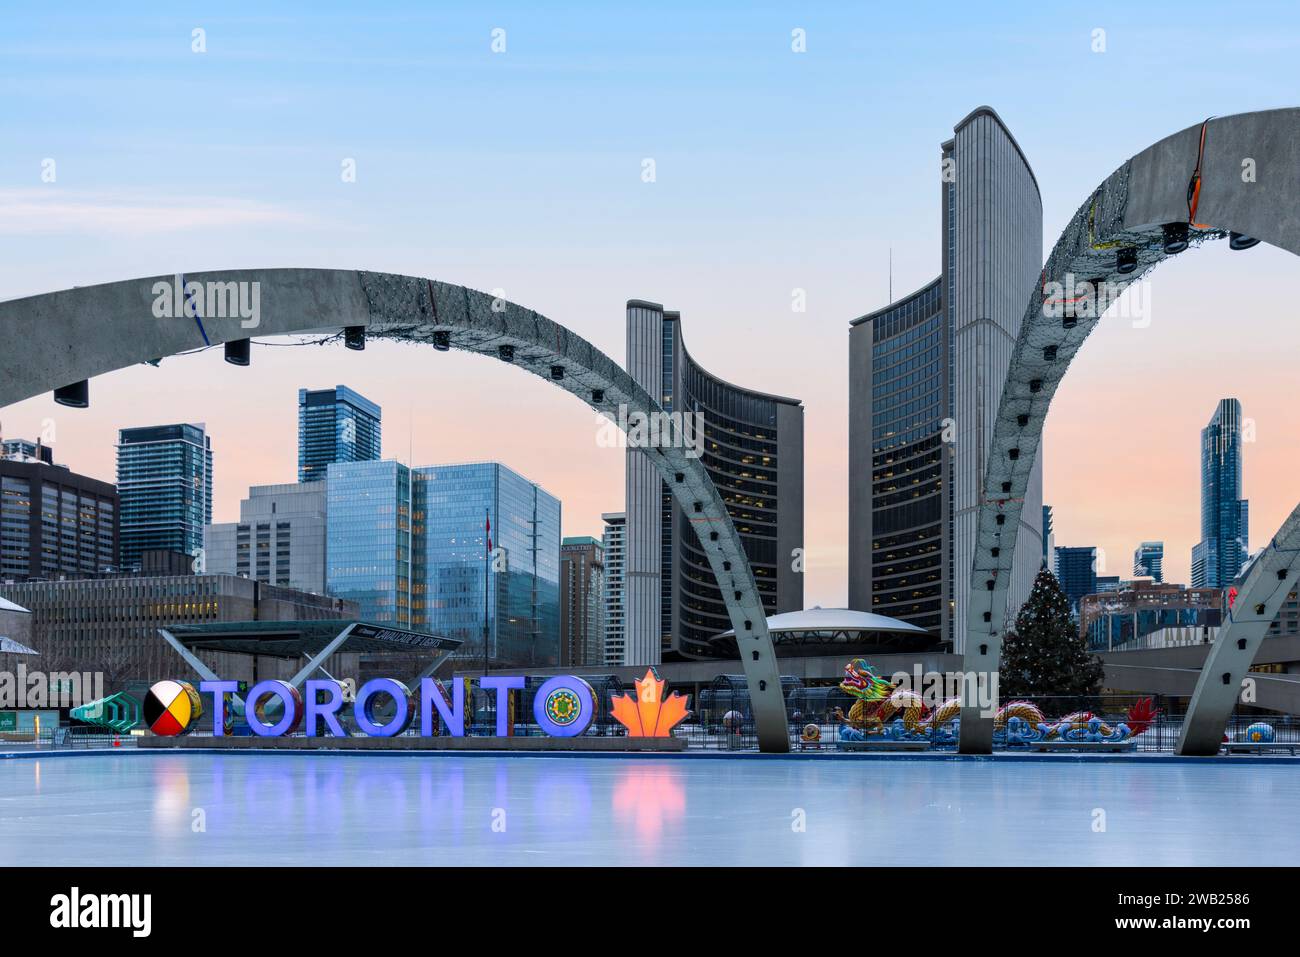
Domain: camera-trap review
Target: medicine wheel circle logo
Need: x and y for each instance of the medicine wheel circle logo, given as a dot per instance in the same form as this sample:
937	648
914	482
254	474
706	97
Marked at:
563	707
172	708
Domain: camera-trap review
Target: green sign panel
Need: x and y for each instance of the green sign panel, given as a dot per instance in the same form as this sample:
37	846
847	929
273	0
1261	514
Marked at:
8	721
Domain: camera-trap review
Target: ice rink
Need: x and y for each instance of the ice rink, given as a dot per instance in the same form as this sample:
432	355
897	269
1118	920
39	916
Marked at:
206	809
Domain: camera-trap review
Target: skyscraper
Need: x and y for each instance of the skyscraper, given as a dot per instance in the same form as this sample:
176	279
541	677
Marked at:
1049	538
523	573
370	539
25	450
164	487
925	378
752	449
409	546
335	425
279	538
1149	561
1225	517
1076	570
582	601
614	541
54	523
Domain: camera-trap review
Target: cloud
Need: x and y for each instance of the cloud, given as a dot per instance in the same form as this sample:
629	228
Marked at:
52	211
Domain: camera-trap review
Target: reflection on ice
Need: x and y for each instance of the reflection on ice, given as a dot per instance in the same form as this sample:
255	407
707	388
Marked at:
465	810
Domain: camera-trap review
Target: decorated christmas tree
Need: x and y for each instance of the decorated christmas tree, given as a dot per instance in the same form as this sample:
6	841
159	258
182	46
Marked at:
1044	654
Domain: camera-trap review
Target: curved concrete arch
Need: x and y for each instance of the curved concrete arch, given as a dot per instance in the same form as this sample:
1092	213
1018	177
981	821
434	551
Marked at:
1268	581
1249	178
51	340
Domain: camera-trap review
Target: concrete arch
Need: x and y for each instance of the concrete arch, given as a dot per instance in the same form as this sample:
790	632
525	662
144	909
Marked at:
1268	581
59	338
1249	178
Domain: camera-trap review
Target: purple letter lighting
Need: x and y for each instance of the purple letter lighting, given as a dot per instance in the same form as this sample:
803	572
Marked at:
365	709
503	684
434	696
219	691
328	710
290	715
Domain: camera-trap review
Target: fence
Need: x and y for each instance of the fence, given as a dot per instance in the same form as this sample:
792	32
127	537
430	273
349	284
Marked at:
823	720
65	738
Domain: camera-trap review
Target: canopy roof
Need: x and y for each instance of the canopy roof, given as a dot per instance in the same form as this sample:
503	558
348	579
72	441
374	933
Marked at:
292	639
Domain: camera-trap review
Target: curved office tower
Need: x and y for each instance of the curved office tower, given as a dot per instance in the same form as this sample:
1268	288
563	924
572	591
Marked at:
925	379
900	466
751	444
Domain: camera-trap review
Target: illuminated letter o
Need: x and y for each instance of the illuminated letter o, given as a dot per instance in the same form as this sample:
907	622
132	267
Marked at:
565	706
290	715
365	712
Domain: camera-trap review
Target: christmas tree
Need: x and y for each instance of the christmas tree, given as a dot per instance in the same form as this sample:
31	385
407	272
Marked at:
1044	654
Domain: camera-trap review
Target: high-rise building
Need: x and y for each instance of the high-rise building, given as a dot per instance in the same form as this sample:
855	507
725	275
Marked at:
335	425
453	504
925	378
164	487
1076	570
582	601
1225	516
1049	538
752	448
54	523
370	539
1149	561
279	538
25	450
613	539
409	546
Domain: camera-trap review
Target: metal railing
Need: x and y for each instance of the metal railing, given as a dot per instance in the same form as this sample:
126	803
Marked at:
1124	723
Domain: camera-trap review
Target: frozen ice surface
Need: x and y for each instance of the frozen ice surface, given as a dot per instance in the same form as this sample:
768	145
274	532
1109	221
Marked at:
455	810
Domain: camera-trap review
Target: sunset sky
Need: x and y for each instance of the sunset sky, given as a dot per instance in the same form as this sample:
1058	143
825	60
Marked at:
522	171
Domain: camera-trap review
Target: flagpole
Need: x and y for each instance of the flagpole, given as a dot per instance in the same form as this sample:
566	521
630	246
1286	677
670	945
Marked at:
487	551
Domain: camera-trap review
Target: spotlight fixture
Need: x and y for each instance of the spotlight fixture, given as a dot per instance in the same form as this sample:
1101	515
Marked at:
1175	238
1240	241
238	352
441	340
1126	260
75	396
354	337
506	353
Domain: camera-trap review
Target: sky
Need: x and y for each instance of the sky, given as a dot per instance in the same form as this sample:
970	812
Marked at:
522	170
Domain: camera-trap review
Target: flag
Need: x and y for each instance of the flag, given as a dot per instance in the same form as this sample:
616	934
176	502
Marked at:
487	519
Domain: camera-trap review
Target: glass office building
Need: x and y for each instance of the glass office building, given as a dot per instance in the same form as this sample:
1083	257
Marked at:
369	538
1225	516
164	487
905	522
926	375
1076	570
522	575
1149	561
335	425
409	547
